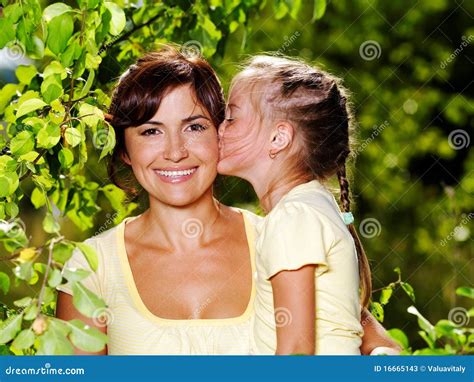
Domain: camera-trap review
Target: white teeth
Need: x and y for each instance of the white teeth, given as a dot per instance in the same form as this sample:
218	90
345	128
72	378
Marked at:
177	173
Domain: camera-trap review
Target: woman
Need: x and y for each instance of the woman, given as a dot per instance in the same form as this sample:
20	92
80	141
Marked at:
178	279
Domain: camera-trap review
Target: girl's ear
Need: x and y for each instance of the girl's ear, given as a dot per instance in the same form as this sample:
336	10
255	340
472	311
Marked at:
281	138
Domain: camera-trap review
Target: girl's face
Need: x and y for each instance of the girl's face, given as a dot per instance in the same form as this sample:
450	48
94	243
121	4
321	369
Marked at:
174	154
243	141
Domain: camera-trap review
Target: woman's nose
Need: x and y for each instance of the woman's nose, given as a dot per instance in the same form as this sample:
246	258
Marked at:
176	149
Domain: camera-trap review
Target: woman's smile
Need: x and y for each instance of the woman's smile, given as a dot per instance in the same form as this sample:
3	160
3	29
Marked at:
176	174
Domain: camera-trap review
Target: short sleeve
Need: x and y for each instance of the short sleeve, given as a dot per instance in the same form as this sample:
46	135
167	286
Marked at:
295	235
78	261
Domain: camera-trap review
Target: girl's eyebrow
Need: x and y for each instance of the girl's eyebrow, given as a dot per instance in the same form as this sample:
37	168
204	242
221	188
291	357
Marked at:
233	105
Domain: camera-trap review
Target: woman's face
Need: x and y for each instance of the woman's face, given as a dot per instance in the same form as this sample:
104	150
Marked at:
174	155
242	139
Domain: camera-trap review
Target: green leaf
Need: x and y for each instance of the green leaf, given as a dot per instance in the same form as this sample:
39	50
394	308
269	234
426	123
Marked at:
73	275
465	292
55	278
88	84
89	254
8	32
408	290
8	183
400	337
49	136
10	327
319	9
22	143
12	209
62	252
53	68
93	61
445	328
115	195
26	73
427	338
86	337
377	311
24	339
91	115
31	312
423	323
51	88
23	302
385	295
7	93
29	106
4	282
109	143
66	157
24	271
54	340
50	225
54	10
72	136
118	18
85	301
60	29
38	198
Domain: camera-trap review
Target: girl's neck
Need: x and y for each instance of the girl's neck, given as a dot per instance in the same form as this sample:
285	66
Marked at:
272	190
182	227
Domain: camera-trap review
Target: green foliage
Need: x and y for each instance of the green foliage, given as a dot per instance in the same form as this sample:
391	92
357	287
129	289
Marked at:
55	133
450	336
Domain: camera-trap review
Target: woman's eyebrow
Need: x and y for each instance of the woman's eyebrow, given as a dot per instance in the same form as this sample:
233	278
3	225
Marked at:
194	117
157	123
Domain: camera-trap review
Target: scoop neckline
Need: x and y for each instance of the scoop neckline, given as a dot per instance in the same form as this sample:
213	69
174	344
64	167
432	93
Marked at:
140	305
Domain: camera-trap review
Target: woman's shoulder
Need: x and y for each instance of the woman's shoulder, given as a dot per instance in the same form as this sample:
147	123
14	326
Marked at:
105	236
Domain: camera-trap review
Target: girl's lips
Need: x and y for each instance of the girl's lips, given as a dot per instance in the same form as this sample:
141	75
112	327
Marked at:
176	175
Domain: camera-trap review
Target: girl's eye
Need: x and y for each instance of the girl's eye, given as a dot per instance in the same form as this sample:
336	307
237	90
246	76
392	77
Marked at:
230	120
197	127
151	131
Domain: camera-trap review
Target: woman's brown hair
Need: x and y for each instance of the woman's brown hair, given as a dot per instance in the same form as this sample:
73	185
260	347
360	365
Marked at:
139	91
316	103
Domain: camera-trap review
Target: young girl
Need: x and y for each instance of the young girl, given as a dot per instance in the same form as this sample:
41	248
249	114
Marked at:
287	131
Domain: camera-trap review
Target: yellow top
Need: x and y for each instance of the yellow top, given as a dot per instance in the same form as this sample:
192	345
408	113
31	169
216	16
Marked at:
133	329
306	227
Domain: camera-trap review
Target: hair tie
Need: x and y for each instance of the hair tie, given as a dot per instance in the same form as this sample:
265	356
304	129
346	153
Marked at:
348	218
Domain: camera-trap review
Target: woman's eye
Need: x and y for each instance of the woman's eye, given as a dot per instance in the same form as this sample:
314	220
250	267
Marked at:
230	120
151	131
197	127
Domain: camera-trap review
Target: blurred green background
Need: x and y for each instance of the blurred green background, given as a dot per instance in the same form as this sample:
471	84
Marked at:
409	68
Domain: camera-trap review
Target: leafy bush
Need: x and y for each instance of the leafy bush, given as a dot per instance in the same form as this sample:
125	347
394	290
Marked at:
55	128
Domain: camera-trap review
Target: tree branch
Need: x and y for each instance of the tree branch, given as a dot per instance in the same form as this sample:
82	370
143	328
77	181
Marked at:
123	37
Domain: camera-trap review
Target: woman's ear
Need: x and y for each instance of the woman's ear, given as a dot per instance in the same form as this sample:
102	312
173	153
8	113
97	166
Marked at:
281	138
125	158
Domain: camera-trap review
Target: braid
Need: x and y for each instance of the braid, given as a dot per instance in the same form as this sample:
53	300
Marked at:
344	185
364	268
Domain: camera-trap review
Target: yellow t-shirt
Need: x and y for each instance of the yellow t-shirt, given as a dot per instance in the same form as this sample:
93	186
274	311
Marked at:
133	329
306	227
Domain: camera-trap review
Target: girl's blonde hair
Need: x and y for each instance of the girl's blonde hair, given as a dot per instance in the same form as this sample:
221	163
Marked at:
315	102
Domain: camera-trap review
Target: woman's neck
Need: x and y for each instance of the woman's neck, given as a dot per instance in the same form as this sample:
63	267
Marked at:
183	227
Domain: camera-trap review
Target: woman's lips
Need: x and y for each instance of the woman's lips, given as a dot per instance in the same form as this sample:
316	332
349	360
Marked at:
176	175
